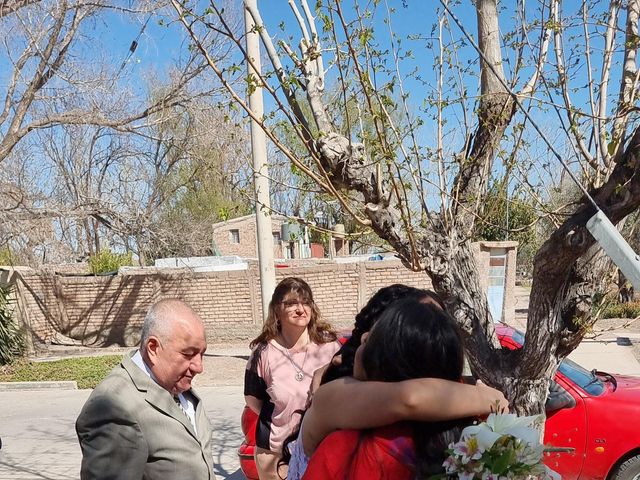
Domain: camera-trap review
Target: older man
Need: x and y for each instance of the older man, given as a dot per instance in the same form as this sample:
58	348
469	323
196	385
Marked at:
144	421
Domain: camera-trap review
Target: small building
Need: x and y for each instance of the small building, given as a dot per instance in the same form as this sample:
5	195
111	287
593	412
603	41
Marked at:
238	236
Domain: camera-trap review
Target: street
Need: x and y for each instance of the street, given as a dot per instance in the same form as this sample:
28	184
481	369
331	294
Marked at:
39	440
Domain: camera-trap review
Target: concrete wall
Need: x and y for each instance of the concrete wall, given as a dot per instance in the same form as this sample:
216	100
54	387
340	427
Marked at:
483	253
110	310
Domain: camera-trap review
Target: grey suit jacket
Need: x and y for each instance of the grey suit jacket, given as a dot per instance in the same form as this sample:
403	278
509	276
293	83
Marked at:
131	428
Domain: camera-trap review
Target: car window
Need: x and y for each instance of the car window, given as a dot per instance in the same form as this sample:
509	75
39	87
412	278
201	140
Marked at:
518	336
558	398
582	377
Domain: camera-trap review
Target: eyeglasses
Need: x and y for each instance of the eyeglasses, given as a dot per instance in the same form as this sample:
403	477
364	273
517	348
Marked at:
292	304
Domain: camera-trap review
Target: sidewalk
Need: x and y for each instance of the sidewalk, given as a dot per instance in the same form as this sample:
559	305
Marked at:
39	440
606	356
600	350
603	352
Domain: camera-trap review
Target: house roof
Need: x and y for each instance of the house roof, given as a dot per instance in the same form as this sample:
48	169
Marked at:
246	218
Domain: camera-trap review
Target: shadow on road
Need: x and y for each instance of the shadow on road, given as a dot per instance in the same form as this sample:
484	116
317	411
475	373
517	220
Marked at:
227	437
237	475
18	471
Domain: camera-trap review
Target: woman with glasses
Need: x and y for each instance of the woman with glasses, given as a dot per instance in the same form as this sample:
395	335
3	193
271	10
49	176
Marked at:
294	342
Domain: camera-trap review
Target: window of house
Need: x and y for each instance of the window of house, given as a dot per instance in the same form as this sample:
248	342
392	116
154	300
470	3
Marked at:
234	236
276	237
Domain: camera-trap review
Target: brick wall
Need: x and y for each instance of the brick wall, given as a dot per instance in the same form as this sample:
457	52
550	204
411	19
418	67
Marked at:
110	310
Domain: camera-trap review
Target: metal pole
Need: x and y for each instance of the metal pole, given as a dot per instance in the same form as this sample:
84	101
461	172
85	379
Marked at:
260	170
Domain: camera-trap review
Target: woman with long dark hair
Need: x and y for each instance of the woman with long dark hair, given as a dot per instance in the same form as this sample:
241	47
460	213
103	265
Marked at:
294	342
365	320
411	346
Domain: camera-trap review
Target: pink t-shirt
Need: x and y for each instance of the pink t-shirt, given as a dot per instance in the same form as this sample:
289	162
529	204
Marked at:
271	377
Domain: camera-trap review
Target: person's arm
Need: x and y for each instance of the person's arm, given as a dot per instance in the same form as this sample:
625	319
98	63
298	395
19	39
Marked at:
255	386
253	403
111	441
349	403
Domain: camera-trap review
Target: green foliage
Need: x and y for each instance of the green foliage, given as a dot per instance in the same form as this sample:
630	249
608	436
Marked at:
622	310
12	342
204	187
106	261
318	236
521	216
7	257
86	371
206	199
202	200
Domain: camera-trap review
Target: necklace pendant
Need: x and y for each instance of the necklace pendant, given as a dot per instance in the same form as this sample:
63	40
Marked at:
299	376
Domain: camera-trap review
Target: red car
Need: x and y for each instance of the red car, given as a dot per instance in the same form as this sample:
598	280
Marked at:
599	418
595	413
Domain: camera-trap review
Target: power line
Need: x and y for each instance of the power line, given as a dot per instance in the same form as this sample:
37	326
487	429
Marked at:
132	48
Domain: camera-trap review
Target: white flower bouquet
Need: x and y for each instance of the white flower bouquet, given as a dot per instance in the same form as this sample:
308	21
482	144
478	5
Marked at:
504	446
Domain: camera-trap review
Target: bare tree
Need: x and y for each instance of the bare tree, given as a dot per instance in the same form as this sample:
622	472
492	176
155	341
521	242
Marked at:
389	182
96	152
39	40
7	7
96	188
208	183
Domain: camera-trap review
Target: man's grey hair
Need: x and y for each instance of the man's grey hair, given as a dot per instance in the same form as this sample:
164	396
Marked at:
160	319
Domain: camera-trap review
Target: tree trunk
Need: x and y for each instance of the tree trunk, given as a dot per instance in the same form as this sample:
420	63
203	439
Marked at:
527	395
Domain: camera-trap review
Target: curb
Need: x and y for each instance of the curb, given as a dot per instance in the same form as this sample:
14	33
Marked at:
613	338
62	385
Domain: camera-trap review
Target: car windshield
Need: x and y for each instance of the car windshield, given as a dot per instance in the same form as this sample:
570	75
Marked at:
582	377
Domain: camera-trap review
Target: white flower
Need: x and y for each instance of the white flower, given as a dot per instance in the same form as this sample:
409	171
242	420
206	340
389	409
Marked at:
450	465
490	476
468	449
482	433
518	427
466	475
475	455
529	453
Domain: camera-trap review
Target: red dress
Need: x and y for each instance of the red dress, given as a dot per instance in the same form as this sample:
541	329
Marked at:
383	453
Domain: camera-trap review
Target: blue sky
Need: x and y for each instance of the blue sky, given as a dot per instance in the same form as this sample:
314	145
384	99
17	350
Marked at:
159	46
109	36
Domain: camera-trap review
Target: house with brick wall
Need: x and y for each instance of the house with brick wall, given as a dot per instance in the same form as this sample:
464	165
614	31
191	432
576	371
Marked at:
238	236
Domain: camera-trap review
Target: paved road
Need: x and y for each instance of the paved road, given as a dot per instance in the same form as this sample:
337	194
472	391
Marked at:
39	440
37	427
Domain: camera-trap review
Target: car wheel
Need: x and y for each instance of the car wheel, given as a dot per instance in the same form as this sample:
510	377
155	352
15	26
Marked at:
628	470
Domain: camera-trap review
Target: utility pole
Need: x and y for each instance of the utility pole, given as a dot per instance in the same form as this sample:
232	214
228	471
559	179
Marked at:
260	170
